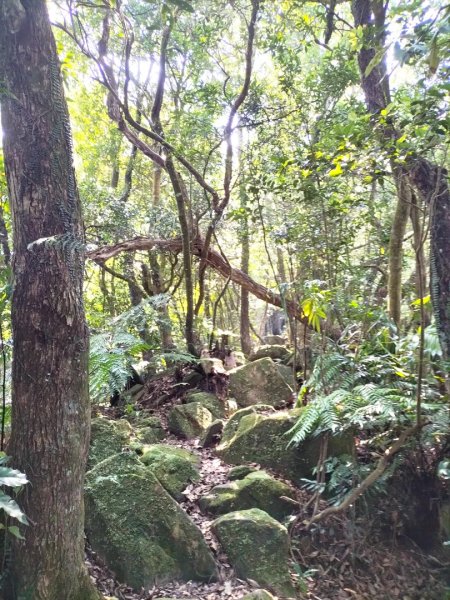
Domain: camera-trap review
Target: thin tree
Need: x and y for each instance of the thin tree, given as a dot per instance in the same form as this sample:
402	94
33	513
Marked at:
50	404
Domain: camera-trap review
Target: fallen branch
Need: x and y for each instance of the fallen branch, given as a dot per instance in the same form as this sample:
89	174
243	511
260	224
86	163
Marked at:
215	261
370	479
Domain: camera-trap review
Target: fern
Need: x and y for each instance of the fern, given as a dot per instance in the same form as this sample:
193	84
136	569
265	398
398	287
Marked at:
110	361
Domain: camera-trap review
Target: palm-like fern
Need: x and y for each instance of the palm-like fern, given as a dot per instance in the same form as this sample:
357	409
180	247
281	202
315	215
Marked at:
372	388
110	361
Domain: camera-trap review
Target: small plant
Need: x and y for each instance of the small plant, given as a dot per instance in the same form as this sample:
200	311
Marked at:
13	479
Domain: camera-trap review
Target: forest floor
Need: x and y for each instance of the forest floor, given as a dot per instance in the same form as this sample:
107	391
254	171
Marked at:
342	559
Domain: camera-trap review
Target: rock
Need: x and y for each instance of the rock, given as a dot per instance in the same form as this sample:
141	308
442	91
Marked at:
258	595
287	374
233	423
241	471
189	420
259	382
239	357
107	438
216	407
275	352
212	366
261	438
257	547
271	340
174	467
138	529
213	434
149	430
256	490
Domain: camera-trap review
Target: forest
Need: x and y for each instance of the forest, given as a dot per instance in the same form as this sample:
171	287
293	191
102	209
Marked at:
224	300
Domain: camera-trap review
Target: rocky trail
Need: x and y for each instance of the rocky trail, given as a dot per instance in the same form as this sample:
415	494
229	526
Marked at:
344	558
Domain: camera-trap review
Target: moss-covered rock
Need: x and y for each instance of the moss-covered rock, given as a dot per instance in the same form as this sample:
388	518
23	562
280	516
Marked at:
138	529
256	490
259	382
149	430
257	547
261	438
174	467
258	595
233	423
273	351
287	374
107	438
216	407
241	471
189	420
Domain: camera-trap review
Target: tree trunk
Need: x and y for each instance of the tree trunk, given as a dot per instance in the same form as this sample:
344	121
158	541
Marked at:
399	223
246	341
186	245
432	183
50	406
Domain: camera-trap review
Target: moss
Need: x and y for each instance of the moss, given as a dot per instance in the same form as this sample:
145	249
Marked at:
257	547
258	595
137	528
240	472
107	438
256	490
215	406
262	439
149	430
273	351
189	420
174	468
259	382
233	422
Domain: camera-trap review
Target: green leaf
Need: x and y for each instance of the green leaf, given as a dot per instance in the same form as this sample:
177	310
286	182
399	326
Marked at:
12	509
15	531
12	477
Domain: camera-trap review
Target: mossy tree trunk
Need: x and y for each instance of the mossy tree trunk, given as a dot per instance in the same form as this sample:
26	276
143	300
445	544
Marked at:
50	411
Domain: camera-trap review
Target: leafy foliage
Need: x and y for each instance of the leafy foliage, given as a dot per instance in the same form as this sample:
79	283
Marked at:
14	479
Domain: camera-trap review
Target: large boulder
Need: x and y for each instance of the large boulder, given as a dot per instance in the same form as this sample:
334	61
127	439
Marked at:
259	382
275	352
107	438
189	420
149	430
256	490
262	438
258	548
233	423
218	408
175	468
138	529
287	374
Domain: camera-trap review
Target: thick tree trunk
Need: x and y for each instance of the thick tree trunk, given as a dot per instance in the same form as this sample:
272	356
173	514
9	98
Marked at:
50	410
432	183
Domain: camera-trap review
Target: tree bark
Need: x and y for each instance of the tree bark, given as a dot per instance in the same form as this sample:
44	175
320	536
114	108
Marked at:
398	230
431	182
50	405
